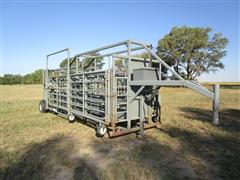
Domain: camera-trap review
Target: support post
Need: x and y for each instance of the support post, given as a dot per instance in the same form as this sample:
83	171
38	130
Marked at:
160	72
114	96
77	61
159	108
83	87
150	57
46	83
68	83
216	88
95	64
128	87
141	123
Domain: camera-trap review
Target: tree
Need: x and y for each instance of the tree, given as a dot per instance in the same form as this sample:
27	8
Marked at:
11	79
87	62
144	55
121	65
32	78
192	51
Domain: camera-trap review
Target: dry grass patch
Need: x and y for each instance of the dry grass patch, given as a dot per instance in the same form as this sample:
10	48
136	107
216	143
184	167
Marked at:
188	145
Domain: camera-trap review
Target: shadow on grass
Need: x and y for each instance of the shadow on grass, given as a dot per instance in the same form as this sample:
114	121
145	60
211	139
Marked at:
197	157
219	154
147	158
84	171
229	118
47	158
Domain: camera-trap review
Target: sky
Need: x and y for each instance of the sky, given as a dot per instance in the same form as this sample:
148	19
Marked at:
32	29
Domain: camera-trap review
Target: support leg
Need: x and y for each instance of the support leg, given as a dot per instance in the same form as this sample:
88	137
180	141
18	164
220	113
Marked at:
216	104
159	108
141	117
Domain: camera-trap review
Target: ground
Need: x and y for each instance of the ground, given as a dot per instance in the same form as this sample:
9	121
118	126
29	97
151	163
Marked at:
186	146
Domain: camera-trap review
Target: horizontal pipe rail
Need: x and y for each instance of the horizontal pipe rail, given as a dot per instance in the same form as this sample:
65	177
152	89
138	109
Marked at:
102	48
57	52
189	84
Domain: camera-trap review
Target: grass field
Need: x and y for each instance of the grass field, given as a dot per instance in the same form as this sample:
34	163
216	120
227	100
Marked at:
227	85
188	145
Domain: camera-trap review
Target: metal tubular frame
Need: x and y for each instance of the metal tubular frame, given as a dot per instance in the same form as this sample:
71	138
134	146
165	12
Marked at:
121	102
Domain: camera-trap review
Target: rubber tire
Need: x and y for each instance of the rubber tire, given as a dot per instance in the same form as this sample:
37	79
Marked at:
101	130
155	119
71	118
42	106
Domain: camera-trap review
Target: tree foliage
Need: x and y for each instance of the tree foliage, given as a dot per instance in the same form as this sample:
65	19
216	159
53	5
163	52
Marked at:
87	62
192	51
32	78
121	64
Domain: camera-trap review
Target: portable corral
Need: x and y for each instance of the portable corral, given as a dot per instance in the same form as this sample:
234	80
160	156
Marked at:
120	97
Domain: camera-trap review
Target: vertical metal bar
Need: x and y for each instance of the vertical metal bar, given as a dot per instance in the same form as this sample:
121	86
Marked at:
109	77
141	123
128	87
216	88
58	92
109	65
114	96
150	57
109	91
43	81
46	83
83	87
106	97
77	61
160	71
160	106
95	64
68	82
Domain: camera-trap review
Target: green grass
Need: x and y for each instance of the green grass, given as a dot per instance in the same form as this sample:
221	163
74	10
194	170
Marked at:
187	145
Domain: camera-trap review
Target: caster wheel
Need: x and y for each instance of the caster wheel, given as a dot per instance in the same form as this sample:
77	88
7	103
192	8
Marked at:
156	119
140	136
71	118
101	130
42	106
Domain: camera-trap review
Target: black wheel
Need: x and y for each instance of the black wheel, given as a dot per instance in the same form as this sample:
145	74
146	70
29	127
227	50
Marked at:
42	106
156	118
101	130
71	118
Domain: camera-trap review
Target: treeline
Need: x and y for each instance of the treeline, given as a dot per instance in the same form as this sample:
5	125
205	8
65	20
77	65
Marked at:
32	78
